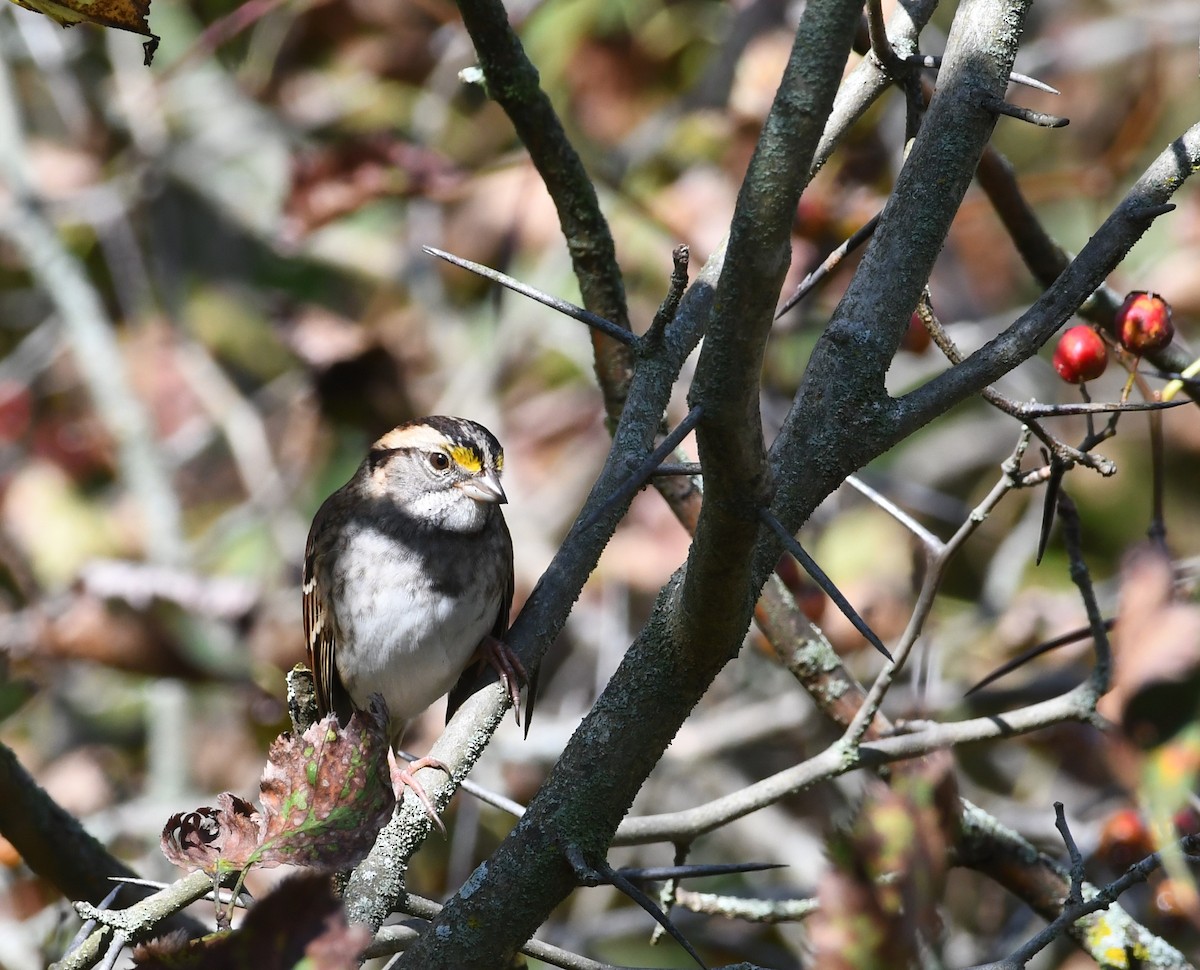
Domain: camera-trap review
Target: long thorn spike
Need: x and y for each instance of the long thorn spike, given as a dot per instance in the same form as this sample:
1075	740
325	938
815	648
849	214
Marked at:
593	320
818	576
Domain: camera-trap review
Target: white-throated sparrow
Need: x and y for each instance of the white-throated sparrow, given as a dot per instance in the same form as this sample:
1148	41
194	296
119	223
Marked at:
408	574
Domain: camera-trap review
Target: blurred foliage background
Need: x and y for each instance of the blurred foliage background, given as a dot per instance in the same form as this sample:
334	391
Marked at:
248	216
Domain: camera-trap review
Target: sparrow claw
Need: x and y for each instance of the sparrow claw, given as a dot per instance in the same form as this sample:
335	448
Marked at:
508	666
403	776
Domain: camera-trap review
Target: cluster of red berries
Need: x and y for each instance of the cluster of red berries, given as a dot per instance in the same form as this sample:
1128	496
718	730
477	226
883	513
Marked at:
1143	325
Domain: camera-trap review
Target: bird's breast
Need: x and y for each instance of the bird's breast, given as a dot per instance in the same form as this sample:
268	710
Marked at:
407	625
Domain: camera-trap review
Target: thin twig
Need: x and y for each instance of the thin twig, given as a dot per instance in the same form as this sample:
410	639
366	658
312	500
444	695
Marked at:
839	758
747	910
242	900
1066	454
89	925
1035	410
1069	516
938	556
485	795
1072	636
927	538
1075	907
856	239
1075	895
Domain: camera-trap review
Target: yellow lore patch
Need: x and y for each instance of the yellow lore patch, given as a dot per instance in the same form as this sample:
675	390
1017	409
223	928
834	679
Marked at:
467	458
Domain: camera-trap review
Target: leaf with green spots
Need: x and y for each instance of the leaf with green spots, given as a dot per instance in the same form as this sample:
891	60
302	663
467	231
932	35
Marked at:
325	796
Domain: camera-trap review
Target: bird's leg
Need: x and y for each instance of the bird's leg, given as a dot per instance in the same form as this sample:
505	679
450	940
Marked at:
507	664
403	776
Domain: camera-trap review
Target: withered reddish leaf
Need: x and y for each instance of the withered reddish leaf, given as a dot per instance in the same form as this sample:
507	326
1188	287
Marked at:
300	920
325	796
203	838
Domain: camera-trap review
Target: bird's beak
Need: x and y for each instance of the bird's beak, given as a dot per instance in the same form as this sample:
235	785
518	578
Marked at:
485	488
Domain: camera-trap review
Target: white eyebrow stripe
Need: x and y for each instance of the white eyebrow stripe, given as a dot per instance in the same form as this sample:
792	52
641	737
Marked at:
420	436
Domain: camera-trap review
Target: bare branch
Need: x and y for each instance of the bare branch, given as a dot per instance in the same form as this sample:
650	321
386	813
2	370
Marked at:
689	646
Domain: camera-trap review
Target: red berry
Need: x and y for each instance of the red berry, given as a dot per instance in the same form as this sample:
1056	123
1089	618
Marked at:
1080	355
916	338
1187	821
1124	838
1144	323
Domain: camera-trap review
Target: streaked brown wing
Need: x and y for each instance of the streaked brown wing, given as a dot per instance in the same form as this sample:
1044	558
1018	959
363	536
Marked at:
319	635
500	629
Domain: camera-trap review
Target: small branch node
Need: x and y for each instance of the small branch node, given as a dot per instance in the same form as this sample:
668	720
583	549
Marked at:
680	257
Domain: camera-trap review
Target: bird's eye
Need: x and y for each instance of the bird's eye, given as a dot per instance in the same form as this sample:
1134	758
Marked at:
438	461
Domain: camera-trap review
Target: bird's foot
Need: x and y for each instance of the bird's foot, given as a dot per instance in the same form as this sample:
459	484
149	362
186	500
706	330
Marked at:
403	776
507	664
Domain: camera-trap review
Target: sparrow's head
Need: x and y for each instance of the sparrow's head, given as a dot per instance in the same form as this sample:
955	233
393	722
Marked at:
442	471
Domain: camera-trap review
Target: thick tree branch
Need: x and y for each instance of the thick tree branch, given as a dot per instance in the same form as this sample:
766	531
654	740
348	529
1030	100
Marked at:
594	782
1047	260
713	610
841	417
55	846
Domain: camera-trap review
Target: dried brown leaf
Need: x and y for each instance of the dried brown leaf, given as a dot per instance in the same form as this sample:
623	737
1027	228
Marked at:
129	15
211	838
